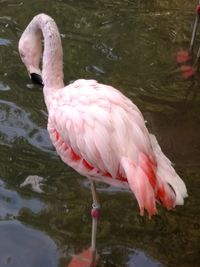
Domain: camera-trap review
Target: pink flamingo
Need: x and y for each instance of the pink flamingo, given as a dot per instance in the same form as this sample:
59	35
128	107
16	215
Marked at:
97	130
185	56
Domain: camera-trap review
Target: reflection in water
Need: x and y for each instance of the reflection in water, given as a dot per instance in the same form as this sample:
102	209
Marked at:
11	203
24	246
4	42
4	87
132	257
15	123
140	259
131	45
102	187
35	182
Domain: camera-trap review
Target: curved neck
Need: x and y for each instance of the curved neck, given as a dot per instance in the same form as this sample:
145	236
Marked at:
52	62
52	66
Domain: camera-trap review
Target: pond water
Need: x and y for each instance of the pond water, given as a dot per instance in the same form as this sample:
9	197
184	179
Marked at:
131	45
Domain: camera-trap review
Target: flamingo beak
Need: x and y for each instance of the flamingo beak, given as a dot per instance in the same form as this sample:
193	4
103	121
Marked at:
36	78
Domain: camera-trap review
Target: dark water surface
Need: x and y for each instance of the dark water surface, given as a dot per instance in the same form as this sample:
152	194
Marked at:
131	45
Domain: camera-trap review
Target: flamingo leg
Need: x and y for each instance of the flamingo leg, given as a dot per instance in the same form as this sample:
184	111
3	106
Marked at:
95	213
194	33
195	27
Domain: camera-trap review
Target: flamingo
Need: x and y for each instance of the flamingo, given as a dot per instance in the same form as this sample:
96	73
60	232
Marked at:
97	130
185	56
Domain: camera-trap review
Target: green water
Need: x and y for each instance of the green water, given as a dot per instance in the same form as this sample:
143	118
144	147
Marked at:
131	45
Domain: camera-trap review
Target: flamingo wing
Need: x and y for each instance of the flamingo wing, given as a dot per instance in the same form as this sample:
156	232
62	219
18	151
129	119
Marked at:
100	133
93	126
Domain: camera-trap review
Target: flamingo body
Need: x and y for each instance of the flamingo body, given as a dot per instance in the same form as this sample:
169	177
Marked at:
97	130
102	135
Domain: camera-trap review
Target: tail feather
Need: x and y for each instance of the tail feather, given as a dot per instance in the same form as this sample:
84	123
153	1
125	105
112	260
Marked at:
165	193
142	181
167	177
150	182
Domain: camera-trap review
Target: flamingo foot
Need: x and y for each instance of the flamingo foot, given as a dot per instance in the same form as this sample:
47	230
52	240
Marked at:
182	57
84	259
198	9
188	71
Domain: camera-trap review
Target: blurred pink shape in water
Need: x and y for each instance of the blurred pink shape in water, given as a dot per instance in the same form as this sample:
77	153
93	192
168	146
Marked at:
188	71
182	56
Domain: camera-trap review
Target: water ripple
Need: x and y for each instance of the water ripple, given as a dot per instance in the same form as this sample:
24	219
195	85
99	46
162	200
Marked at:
11	203
4	87
5	42
23	246
16	123
108	51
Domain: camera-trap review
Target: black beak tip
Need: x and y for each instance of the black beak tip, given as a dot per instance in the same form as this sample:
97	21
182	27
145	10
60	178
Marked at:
36	78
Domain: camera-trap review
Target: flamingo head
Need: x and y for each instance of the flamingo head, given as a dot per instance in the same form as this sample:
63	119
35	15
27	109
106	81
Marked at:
30	50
